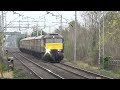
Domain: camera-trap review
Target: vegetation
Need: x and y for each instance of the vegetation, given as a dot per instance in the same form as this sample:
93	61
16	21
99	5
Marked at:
0	43
37	30
34	33
88	37
4	74
0	39
1	70
18	74
19	38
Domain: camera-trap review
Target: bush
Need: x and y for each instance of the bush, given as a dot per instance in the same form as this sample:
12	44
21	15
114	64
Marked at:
106	62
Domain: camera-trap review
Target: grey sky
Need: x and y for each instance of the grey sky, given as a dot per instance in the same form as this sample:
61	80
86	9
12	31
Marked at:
37	15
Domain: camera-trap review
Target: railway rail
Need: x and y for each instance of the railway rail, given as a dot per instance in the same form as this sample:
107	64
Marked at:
37	68
72	73
33	72
89	74
82	73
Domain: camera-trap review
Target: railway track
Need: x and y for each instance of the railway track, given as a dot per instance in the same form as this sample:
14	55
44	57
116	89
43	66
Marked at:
71	75
88	74
33	72
79	75
39	71
83	74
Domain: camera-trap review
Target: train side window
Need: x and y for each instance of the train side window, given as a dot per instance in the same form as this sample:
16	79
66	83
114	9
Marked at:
39	44
42	43
36	44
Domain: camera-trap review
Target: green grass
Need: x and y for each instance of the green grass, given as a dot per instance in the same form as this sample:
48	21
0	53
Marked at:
4	71
15	74
18	74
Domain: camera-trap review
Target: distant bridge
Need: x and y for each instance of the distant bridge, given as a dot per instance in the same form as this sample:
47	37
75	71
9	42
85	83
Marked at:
11	39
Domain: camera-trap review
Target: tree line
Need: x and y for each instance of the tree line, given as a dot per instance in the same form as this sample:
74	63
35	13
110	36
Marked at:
87	37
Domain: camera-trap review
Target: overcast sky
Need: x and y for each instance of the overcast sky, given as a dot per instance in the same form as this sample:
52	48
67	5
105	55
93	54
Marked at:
39	16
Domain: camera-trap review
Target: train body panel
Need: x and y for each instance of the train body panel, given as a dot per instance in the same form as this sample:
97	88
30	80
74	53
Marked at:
54	46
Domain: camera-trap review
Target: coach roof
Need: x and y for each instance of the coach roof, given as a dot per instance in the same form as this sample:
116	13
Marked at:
39	37
29	38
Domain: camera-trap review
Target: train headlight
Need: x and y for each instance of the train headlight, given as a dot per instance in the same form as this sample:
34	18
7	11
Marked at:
59	50
48	51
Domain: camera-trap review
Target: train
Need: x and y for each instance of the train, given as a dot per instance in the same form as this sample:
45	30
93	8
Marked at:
48	47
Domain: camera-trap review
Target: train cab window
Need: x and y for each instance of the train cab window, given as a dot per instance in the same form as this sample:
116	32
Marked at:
49	40
54	40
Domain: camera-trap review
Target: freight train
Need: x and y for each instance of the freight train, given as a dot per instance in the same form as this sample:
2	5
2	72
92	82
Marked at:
47	47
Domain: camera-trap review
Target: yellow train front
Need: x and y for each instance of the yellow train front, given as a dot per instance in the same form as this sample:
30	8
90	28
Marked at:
54	47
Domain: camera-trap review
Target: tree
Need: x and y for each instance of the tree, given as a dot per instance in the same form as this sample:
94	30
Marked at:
1	62
19	38
112	34
0	39
88	36
34	33
0	43
18	41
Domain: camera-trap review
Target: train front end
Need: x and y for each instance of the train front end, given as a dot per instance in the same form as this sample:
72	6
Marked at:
54	48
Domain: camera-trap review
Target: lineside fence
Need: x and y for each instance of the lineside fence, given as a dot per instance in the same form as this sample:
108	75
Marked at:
114	65
109	64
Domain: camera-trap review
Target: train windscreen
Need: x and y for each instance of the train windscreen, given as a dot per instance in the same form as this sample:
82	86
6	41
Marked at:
54	40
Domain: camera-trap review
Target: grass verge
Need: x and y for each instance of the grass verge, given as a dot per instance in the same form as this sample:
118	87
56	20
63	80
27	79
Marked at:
110	73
